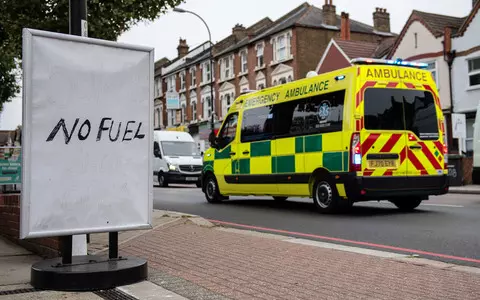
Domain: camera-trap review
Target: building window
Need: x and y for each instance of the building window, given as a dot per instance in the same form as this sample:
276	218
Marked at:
171	83
274	83
226	66
474	72
158	87
158	120
432	67
261	86
282	47
416	40
260	61
193	77
184	112
290	78
206	72
207	107
194	110
244	62
282	80
182	81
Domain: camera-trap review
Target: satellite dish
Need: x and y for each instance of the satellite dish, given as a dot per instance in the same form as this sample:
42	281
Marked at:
312	74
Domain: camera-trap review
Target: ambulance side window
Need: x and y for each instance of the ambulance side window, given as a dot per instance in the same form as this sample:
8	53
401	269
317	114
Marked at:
257	124
228	132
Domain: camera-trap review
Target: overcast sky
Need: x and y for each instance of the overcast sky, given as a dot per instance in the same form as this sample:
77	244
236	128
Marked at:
221	15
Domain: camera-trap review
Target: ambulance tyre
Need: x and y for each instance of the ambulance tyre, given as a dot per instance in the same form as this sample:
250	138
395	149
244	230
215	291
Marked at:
326	198
212	194
407	204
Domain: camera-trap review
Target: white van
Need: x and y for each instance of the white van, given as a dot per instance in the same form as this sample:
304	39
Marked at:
177	158
476	148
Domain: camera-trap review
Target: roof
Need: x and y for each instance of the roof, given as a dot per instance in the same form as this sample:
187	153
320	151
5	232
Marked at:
436	23
468	19
254	30
189	60
159	64
354	49
304	15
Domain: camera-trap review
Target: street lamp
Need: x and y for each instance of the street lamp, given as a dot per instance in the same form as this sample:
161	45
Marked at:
181	10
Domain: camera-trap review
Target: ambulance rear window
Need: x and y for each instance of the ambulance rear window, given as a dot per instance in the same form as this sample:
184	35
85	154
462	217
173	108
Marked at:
397	109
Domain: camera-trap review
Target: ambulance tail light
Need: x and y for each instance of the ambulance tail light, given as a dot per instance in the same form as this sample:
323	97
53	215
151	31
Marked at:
445	153
356	153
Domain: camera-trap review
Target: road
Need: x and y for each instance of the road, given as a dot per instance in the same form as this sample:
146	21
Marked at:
448	225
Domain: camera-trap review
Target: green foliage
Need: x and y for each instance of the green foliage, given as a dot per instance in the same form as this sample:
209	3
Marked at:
107	19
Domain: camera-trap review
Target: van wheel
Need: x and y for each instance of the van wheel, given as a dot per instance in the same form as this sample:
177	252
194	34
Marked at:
280	199
326	198
212	193
162	181
407	204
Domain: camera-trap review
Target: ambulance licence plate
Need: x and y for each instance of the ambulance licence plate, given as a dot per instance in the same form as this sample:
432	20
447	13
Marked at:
191	178
383	163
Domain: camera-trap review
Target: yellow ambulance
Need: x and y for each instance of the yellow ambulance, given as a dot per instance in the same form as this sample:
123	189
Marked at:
372	131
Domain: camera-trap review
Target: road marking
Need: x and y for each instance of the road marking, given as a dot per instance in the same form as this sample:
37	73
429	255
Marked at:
442	205
333	239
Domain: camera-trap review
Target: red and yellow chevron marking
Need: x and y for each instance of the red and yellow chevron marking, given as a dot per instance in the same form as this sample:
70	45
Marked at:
422	160
359	96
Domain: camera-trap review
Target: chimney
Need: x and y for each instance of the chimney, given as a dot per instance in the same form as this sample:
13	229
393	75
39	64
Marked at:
381	20
182	48
345	27
329	14
239	32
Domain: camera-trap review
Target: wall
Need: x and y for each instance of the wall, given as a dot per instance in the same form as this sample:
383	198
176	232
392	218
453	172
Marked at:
467	46
426	42
10	227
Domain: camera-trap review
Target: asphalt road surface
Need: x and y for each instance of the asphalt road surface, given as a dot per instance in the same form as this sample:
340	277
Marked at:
444	226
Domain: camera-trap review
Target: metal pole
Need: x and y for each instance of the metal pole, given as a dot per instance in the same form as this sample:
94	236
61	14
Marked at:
67	249
78	17
113	245
180	10
77	26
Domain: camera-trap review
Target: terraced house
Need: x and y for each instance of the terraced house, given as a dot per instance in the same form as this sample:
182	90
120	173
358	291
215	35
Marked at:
264	54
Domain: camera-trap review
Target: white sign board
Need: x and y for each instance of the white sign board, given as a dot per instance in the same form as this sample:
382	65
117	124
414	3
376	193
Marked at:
459	126
173	100
87	129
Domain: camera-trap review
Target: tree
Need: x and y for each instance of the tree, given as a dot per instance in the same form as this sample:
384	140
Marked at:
107	19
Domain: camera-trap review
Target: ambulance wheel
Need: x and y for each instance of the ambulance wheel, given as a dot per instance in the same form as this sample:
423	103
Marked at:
280	199
162	181
212	193
326	198
407	204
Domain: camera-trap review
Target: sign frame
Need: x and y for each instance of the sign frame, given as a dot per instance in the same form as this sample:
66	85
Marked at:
27	54
171	96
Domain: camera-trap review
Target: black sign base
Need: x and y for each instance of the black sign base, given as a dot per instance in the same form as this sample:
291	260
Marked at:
87	273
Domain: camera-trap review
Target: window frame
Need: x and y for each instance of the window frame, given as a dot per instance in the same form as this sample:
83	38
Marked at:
435	69
183	81
296	102
260	58
221	130
473	72
193	77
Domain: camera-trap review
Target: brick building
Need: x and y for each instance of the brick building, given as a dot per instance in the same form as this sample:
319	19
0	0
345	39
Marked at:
341	50
264	54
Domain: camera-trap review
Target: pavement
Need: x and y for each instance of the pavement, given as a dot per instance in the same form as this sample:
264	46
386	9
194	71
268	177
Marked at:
444	228
192	258
473	189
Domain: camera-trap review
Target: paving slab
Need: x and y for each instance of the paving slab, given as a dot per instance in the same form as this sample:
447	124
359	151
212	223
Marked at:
230	265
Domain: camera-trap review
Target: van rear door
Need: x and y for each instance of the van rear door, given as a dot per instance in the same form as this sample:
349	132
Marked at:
384	138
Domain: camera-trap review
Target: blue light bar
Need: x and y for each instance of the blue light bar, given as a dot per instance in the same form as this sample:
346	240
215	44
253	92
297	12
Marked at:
398	62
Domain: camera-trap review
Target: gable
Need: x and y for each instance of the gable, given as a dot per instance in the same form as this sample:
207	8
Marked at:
260	76
333	59
470	37
226	87
280	69
243	81
425	42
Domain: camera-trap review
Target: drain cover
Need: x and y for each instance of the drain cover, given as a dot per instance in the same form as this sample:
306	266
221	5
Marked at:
17	291
114	294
